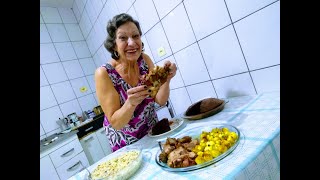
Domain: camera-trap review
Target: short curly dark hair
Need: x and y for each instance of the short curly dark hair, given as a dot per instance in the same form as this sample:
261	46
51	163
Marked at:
112	27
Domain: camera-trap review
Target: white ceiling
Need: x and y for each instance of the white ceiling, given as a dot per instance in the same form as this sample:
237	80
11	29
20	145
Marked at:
56	3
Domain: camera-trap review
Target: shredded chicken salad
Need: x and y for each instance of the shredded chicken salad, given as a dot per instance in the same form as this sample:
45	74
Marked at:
113	166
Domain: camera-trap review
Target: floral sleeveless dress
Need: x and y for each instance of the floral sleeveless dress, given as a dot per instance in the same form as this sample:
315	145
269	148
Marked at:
143	118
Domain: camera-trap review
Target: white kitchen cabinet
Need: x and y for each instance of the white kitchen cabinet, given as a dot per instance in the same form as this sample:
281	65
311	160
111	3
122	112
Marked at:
65	153
47	169
104	142
73	166
63	160
92	148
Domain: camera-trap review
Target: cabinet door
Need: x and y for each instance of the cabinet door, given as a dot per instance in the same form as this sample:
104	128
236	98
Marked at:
47	170
102	137
92	148
73	166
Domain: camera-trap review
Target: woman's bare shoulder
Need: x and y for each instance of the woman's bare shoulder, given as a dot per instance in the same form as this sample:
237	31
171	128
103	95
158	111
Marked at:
148	60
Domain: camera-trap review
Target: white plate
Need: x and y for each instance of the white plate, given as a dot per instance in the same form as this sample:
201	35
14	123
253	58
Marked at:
177	122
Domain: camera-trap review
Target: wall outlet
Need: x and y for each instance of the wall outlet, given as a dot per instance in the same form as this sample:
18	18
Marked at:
161	51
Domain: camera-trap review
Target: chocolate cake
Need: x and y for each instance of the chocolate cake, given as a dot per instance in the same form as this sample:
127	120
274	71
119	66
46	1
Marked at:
161	126
209	104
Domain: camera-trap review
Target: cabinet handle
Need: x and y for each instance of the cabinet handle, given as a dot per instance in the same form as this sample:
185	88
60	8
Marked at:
88	139
70	168
89	129
64	154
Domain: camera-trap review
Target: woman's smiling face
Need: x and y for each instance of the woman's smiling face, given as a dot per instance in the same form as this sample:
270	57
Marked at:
128	42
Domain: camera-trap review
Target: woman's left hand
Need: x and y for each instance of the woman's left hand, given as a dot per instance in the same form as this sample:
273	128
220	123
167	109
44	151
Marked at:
173	69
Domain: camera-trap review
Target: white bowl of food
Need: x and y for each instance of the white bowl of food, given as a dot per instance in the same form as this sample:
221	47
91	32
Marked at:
120	166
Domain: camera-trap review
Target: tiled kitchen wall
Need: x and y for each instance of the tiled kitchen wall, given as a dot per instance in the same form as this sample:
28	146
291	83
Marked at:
222	48
66	65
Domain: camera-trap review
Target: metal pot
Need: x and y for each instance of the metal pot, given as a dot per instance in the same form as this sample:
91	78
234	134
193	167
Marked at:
73	117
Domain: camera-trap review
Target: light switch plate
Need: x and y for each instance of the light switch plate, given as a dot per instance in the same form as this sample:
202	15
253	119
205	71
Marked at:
83	89
161	51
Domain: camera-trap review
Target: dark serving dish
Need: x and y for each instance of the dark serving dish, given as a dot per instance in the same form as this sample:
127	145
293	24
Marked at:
194	111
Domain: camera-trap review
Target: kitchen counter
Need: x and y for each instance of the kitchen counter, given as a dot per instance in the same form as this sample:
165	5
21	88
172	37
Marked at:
257	155
62	138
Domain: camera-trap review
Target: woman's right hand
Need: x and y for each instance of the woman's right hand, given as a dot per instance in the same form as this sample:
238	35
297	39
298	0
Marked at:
137	94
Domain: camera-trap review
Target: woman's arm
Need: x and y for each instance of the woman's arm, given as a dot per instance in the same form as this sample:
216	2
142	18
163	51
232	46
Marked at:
109	99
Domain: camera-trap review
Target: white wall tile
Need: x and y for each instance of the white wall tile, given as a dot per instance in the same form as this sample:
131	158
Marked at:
96	98
222	54
178	29
103	1
43	79
207	17
48	54
156	39
97	5
76	12
73	69
54	72
132	12
85	24
92	41
124	5
191	65
147	14
100	57
147	49
165	6
41	20
50	15
92	13
266	80
47	98
87	102
88	66
67	15
49	118
103	19
77	84
176	81
259	36
44	34
81	49
81	4
91	82
74	32
41	130
99	36
65	51
241	8
238	85
57	32
63	92
201	91
112	9
71	107
180	100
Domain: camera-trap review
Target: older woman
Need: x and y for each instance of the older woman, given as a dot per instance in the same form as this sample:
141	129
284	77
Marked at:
129	109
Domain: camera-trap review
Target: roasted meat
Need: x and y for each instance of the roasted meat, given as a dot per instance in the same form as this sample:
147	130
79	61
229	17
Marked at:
178	152
155	78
